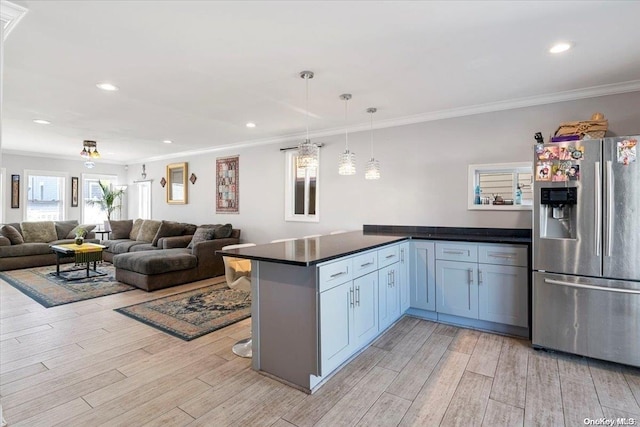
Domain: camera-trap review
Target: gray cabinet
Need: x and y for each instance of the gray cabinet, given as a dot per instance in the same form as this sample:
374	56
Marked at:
365	308
336	326
423	275
483	281
404	277
388	295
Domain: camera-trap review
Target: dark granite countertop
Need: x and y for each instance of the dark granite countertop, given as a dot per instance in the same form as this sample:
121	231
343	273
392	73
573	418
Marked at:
306	252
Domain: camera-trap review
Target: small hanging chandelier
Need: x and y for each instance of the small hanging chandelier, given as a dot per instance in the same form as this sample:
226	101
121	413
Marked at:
347	159
86	150
307	151
372	170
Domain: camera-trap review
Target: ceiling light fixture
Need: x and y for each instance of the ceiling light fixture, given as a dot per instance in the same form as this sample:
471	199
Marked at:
560	47
347	159
250	125
86	150
307	151
167	141
372	170
42	122
107	86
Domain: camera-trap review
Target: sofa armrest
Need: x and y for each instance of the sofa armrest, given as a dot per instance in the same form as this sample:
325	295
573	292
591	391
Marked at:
208	248
174	242
4	241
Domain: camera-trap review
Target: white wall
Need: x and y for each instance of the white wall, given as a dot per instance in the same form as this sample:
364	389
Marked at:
424	172
16	164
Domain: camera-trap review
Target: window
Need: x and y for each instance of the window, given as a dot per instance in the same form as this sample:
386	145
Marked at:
144	199
3	173
501	180
92	213
301	191
46	196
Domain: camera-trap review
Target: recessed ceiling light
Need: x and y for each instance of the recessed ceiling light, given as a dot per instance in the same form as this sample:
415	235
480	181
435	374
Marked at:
167	141
250	125
560	47
42	122
107	86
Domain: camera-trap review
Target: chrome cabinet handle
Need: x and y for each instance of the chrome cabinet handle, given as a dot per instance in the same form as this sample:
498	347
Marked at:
366	264
595	288
390	256
393	278
502	255
479	277
402	255
358	296
342	273
596	206
471	276
609	207
351	296
453	252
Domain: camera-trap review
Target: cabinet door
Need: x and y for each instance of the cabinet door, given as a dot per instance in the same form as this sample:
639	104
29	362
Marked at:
404	277
502	294
423	276
336	326
365	312
456	288
388	296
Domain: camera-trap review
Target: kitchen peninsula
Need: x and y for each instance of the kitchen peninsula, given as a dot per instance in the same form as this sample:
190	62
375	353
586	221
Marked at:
317	302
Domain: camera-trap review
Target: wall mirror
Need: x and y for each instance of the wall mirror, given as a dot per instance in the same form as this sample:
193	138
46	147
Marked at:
498	184
177	184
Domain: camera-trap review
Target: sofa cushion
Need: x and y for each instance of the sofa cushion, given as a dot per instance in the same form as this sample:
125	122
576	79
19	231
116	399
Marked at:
124	246
167	229
202	234
12	234
156	262
70	241
24	250
84	228
113	242
4	241
223	231
121	229
148	230
135	229
142	247
189	229
63	228
39	231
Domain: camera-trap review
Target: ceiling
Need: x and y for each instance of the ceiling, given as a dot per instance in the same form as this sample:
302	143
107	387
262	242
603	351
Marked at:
195	72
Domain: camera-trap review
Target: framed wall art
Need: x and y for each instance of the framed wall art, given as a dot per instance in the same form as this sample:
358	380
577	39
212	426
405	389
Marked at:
227	184
15	191
74	191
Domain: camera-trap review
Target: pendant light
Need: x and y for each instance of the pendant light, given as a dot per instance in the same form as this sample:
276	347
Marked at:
372	170
346	160
307	151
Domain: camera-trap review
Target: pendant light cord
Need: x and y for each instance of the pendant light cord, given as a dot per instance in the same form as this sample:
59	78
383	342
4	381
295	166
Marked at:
306	79
346	126
371	133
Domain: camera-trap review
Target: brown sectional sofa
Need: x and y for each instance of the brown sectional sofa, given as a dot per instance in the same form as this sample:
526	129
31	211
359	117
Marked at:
37	236
168	260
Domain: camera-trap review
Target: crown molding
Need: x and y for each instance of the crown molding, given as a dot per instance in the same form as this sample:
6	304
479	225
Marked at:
10	15
60	156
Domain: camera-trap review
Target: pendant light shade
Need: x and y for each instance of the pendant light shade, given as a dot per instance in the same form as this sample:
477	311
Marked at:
347	159
307	151
372	169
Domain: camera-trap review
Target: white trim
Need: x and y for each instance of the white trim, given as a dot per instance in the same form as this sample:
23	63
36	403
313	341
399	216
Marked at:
10	15
495	167
25	188
3	197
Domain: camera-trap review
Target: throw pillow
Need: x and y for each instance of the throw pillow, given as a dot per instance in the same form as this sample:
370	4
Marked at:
39	231
148	230
168	229
121	229
223	231
63	228
12	234
87	228
201	235
189	229
135	230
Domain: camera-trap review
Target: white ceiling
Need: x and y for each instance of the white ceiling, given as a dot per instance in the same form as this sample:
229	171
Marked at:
196	71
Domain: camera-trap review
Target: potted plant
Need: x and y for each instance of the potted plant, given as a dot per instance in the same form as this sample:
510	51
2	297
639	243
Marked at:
80	235
110	199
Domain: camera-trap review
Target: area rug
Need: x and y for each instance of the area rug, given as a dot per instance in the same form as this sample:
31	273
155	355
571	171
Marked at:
192	314
43	285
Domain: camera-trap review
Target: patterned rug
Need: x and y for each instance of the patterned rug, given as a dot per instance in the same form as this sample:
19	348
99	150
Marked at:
42	284
189	315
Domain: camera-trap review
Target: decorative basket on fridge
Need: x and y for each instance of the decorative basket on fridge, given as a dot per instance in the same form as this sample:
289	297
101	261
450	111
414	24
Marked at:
595	128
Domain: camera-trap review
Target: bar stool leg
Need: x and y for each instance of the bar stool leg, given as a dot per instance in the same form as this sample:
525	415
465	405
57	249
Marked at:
243	348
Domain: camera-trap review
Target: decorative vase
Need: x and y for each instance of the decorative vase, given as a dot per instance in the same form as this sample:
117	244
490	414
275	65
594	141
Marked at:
79	240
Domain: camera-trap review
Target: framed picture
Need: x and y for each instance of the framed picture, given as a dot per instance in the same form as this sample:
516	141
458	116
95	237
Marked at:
227	184
15	191
74	191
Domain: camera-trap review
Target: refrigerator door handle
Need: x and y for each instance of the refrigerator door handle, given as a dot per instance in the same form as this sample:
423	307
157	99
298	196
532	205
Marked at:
595	288
597	212
609	203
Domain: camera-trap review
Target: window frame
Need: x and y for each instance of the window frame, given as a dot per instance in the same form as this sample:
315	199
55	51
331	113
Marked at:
473	179
113	180
290	185
27	173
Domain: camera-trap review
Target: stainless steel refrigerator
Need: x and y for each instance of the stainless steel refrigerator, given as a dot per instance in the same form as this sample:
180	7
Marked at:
586	249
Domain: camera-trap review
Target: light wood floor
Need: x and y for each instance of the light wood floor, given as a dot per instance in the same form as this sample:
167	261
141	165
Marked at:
83	364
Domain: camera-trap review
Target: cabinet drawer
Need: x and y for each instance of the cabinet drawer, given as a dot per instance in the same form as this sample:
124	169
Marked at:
335	273
364	263
388	255
457	252
503	255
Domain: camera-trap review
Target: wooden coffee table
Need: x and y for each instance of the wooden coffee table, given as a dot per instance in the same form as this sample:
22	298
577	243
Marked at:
85	253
